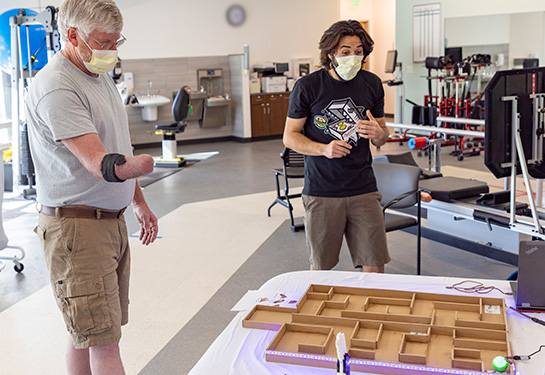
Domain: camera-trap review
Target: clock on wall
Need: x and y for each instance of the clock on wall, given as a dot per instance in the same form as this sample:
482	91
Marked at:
236	15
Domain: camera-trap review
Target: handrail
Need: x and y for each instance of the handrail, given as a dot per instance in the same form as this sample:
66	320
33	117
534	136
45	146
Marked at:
433	129
459	120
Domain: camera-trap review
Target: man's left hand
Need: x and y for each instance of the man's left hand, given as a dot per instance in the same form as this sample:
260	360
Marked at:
149	227
370	129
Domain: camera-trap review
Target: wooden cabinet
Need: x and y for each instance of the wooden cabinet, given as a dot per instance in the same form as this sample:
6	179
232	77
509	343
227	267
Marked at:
269	113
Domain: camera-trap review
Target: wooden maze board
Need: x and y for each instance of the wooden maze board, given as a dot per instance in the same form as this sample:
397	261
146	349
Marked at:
387	331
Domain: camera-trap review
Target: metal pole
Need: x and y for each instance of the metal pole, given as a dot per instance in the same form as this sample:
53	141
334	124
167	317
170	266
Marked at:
538	141
524	168
514	132
539	192
29	55
419	235
436	151
456	120
15	105
433	129
516	144
398	115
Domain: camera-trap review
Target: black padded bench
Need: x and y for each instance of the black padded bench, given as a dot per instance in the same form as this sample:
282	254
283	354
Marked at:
449	188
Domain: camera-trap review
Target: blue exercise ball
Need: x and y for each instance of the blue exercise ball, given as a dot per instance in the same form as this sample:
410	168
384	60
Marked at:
38	43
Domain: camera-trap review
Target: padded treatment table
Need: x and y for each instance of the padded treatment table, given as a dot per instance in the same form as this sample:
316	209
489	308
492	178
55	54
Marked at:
448	188
458	209
483	224
239	350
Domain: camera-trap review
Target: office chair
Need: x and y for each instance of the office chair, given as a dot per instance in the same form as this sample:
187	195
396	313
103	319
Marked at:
407	159
293	166
180	108
398	185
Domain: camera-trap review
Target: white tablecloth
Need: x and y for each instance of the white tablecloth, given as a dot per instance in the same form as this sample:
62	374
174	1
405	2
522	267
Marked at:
239	350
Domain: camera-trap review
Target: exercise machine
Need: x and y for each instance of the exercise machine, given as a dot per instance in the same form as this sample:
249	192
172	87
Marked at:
21	77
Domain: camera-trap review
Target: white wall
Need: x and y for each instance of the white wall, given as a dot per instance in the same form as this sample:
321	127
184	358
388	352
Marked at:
477	30
415	85
275	30
381	17
527	36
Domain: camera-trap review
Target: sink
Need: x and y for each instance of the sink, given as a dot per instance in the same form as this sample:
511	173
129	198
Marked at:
198	95
152	101
215	111
149	105
216	101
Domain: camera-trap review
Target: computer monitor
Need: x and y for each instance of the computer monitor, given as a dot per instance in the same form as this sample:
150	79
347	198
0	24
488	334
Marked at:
391	60
530	63
455	53
520	83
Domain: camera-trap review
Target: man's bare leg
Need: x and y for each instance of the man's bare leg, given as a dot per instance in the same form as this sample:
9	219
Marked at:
376	269
77	360
106	359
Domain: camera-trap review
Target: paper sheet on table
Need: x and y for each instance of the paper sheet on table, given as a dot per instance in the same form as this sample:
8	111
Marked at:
269	298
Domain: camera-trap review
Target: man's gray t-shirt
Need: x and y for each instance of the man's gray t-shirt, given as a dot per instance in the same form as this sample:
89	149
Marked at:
64	102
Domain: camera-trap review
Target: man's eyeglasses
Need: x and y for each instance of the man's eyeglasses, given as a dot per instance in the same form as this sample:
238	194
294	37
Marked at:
109	45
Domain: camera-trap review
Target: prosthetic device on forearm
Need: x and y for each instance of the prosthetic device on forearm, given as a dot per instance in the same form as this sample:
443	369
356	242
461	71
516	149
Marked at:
118	168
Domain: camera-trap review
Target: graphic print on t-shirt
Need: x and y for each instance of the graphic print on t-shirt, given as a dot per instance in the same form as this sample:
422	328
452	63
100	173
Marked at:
339	119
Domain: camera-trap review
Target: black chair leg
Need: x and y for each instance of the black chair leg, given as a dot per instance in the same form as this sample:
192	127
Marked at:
418	239
284	200
290	207
287	196
294	228
278	197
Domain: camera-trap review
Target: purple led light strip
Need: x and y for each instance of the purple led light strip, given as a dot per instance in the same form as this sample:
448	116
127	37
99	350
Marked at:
380	364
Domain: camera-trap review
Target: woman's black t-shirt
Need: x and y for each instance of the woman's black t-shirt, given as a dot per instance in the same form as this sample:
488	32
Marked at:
332	109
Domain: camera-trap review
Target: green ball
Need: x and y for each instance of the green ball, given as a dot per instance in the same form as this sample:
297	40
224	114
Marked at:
500	363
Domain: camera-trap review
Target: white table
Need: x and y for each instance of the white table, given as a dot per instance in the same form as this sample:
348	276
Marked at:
239	350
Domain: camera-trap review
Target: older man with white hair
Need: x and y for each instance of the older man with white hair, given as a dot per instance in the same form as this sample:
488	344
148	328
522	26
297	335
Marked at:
86	177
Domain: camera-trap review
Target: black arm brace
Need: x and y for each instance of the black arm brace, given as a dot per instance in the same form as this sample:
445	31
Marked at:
107	167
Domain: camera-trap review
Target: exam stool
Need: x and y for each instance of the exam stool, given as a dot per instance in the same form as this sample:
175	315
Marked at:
180	108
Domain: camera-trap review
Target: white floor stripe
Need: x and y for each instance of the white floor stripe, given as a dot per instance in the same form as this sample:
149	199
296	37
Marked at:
202	245
199	155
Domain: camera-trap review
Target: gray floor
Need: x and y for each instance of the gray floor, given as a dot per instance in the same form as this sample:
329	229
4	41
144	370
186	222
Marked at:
239	169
